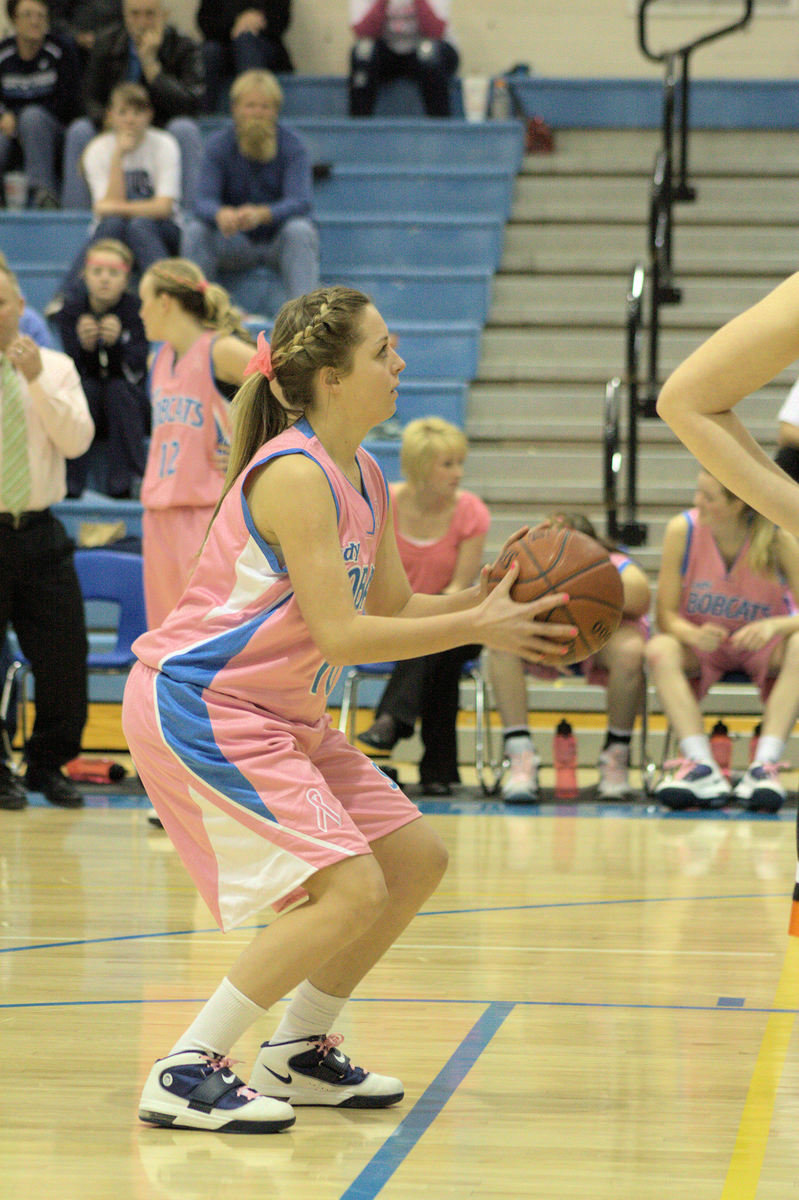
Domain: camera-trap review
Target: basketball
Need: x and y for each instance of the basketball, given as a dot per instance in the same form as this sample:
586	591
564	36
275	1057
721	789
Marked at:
554	558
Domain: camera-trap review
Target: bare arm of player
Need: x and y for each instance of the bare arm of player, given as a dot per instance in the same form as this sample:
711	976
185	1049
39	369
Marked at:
699	637
230	357
698	398
292	506
637	592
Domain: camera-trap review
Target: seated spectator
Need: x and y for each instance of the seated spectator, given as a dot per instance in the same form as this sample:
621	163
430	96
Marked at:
724	604
83	20
39	96
102	332
133	172
619	666
168	65
401	37
440	535
255	193
239	36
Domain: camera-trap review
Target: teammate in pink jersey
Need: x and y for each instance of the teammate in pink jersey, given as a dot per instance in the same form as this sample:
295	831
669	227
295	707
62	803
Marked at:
225	717
193	378
724	604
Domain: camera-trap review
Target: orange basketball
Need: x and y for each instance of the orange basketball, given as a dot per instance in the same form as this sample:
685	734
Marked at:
554	558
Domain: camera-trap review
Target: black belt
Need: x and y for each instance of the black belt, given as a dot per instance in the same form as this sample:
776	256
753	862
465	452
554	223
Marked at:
24	519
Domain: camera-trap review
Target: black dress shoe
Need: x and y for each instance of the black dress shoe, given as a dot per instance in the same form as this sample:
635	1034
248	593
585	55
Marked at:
435	787
382	735
12	790
54	786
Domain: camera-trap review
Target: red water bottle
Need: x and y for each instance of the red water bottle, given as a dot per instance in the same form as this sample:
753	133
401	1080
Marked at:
721	746
564	758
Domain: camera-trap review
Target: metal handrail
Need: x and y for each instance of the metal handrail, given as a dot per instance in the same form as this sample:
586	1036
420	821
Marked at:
629	531
644	5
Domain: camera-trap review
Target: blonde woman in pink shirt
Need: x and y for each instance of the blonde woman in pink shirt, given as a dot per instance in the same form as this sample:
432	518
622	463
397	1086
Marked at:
441	533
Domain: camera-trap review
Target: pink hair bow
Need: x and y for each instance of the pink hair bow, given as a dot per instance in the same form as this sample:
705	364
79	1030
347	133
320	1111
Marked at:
262	359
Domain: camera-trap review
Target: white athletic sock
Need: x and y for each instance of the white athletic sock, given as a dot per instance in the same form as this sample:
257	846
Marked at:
310	1012
220	1022
697	749
768	749
517	742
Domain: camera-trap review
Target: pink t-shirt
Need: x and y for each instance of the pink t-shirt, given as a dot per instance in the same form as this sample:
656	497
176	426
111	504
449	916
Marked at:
431	565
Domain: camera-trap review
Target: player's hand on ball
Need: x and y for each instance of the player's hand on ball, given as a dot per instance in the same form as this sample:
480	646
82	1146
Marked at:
504	624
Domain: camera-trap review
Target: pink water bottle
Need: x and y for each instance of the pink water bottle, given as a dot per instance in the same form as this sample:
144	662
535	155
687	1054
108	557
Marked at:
564	758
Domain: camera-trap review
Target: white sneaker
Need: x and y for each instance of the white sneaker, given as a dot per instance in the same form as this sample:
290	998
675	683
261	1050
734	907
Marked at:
520	785
314	1071
692	785
192	1090
759	789
613	763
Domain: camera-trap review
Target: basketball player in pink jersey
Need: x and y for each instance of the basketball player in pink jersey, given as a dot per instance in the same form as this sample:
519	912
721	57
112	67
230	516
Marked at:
193	378
724	604
225	717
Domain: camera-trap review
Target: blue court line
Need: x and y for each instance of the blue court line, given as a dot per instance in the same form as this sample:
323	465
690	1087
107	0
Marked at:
442	912
398	1146
625	1006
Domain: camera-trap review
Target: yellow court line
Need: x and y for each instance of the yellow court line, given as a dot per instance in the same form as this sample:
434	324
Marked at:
750	1144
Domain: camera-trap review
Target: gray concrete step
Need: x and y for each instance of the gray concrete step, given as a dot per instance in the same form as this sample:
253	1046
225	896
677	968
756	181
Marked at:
625	198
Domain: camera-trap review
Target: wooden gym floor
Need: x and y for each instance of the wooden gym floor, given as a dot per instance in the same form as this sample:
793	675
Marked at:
598	1002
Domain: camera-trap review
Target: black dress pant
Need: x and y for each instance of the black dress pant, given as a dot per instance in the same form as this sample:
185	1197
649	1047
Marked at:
40	597
429	688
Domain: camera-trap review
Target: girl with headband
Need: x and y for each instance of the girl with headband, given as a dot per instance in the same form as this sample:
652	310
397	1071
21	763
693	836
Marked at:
225	715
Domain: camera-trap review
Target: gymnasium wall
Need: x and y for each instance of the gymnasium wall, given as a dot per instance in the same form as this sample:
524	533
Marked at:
564	37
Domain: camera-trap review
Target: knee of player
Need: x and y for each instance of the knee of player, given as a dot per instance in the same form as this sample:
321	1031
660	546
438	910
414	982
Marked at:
361	894
659	649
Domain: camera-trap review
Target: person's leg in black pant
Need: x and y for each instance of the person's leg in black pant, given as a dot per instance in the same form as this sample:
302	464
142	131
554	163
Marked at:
48	617
435	64
440	704
371	62
126	417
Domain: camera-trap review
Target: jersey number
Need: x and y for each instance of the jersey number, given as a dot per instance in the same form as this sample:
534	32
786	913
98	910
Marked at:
169	454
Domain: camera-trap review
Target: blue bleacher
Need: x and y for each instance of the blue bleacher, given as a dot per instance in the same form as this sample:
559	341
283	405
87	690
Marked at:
412	212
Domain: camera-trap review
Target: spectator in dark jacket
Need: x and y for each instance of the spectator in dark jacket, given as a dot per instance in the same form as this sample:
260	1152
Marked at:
143	49
101	330
83	20
39	95
240	35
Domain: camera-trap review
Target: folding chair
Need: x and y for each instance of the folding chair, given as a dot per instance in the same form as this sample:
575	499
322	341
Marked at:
108	577
471	673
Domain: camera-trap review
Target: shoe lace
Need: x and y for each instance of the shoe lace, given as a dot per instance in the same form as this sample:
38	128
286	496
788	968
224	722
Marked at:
682	766
329	1042
227	1064
771	770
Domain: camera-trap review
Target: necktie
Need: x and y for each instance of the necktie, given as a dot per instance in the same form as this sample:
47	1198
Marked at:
15	488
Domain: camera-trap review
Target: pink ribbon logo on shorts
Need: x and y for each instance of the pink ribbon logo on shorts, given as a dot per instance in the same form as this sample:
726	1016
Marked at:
325	814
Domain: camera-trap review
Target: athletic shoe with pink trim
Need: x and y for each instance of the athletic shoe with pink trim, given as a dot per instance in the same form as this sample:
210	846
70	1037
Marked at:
759	788
192	1090
314	1071
692	785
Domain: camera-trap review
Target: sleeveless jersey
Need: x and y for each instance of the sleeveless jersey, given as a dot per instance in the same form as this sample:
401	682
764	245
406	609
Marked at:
190	419
727	596
238	629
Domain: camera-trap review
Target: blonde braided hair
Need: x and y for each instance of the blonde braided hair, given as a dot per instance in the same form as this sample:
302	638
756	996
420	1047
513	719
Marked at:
319	329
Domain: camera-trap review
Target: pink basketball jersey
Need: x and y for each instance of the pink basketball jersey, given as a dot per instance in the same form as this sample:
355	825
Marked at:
727	596
237	628
190	420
